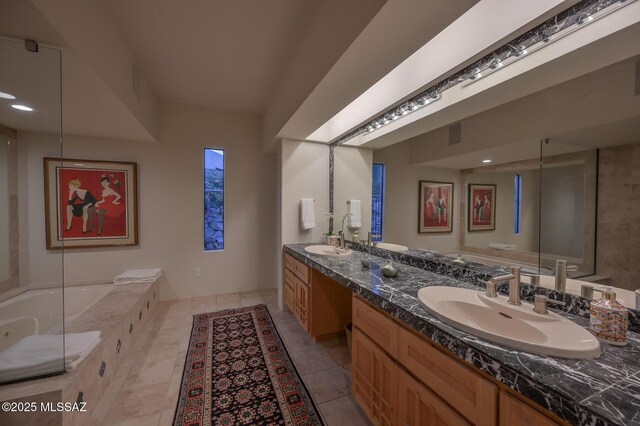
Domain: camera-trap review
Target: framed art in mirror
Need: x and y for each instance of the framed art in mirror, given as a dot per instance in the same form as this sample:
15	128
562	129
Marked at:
90	203
435	207
481	207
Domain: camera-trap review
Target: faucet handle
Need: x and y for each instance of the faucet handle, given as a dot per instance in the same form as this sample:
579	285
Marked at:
540	302
491	288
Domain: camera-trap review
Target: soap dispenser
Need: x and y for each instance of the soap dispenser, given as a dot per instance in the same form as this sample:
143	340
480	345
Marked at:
356	237
609	319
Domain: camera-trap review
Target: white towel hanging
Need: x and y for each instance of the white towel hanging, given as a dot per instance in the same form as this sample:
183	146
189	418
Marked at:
355	210
307	214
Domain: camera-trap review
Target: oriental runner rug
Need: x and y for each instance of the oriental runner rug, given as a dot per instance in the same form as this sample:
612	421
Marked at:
238	372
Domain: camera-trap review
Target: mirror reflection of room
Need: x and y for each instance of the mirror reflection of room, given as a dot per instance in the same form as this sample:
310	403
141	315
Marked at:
547	182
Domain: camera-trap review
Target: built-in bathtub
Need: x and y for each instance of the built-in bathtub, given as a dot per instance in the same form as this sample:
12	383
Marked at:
40	311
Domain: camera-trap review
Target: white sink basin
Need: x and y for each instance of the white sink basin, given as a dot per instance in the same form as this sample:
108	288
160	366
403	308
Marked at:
392	247
494	319
324	250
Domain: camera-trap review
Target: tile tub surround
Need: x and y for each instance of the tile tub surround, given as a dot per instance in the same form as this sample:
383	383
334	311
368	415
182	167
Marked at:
583	392
127	307
475	273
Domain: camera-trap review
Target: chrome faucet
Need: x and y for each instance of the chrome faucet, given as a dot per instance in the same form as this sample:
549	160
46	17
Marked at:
514	285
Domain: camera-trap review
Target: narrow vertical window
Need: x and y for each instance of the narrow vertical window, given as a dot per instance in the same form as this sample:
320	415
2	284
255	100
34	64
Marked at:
377	202
517	204
213	199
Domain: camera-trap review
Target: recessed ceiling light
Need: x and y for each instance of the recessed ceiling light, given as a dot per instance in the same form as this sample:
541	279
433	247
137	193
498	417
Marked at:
4	95
22	107
486	161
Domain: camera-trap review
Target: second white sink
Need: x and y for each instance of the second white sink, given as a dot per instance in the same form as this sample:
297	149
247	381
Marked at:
392	247
494	319
325	250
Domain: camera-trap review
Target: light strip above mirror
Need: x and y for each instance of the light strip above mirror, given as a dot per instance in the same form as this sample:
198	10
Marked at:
553	29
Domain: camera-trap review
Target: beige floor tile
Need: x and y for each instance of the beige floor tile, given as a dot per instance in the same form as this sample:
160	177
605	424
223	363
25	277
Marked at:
228	304
151	420
166	418
250	294
338	350
228	297
265	292
252	301
279	316
328	384
138	402
312	361
343	411
149	373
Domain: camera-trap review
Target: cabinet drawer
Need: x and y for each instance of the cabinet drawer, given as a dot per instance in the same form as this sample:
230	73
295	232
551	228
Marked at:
513	412
289	262
418	406
466	391
381	329
301	270
289	279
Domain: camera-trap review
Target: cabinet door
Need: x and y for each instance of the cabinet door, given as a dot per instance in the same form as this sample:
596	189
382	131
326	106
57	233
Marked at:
290	297
418	406
514	412
374	380
302	303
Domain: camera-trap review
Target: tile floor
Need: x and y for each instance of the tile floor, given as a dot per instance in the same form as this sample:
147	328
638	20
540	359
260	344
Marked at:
144	391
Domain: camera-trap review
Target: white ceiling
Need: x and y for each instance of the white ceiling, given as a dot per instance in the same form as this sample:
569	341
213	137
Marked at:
89	106
225	54
596	110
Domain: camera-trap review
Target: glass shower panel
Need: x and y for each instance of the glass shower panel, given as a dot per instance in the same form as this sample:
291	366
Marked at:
31	277
568	191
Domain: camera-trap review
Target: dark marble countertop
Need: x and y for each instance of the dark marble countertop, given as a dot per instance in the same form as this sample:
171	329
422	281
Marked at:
600	391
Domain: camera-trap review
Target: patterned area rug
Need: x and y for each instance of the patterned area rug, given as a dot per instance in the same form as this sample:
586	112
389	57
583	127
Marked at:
238	372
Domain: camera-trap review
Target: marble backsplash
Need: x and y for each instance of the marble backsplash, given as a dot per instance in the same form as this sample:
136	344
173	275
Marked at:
476	273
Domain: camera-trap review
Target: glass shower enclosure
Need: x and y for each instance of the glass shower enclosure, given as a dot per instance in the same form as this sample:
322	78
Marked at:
31	277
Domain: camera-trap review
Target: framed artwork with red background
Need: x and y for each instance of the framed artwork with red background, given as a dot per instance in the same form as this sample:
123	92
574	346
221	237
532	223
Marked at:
482	207
435	207
90	203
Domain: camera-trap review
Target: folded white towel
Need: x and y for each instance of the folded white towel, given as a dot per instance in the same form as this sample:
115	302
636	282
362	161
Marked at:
136	276
307	214
355	209
501	246
42	354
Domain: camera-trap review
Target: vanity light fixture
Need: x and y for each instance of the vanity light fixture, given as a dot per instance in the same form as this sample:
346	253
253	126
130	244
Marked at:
522	50
22	107
5	95
486	161
554	29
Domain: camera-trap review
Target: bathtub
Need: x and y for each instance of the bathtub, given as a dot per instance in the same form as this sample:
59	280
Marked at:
40	311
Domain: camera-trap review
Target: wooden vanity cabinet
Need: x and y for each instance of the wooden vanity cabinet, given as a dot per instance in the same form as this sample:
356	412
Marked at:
374	380
321	306
432	387
516	412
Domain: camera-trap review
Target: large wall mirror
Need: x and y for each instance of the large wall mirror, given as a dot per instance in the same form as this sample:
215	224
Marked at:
553	175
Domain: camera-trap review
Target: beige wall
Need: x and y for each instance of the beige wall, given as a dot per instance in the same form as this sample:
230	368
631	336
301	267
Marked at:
170	205
401	200
353	172
618	248
527	240
305	174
